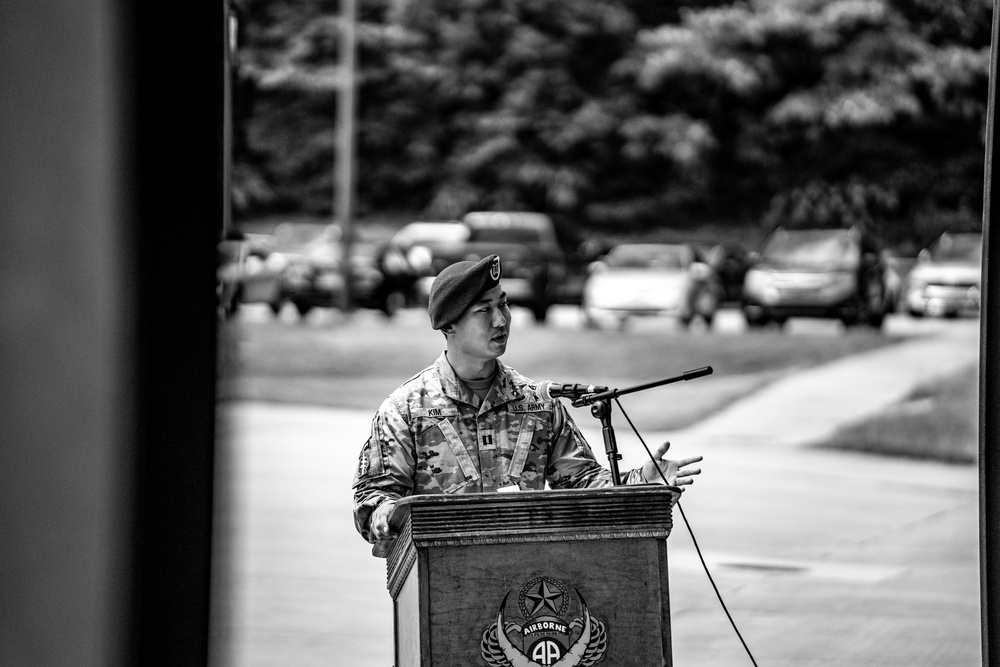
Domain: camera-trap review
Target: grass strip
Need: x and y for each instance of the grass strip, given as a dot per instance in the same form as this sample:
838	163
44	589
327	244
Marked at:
938	421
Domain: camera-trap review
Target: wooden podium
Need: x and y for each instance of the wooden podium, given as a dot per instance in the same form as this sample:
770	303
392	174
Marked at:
550	578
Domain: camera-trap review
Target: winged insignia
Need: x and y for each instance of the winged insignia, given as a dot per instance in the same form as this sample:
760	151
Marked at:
498	650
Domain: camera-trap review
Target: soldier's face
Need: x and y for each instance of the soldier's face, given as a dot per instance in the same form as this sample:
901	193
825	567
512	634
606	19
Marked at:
482	331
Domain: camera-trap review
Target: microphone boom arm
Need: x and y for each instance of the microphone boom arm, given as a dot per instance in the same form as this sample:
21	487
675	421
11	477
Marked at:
589	399
600	407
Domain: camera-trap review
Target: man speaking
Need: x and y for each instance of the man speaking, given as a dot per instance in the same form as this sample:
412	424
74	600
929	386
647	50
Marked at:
470	424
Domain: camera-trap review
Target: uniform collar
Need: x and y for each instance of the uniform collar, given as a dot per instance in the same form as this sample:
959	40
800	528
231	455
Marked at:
504	388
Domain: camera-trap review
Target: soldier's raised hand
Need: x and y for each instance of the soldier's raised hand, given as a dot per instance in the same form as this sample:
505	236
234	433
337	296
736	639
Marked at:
677	473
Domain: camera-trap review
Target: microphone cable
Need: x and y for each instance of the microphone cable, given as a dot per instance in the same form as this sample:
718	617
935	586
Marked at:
693	539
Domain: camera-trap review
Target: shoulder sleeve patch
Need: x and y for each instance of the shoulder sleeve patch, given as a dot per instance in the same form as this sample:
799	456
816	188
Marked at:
372	460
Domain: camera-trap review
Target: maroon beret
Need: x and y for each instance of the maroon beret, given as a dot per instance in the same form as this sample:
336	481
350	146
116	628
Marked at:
458	286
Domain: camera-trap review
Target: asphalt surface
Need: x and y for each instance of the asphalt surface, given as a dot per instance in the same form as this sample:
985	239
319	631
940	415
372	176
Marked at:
822	557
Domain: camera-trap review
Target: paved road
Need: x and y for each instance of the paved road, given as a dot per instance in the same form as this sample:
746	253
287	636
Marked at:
823	558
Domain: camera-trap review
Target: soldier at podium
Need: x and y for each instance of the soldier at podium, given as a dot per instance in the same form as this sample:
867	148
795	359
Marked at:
471	424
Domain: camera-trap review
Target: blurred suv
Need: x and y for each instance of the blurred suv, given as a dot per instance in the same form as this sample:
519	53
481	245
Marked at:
428	247
636	279
534	264
946	278
829	273
382	278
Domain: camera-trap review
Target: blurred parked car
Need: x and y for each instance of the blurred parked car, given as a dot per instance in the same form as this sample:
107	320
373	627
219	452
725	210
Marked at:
730	260
534	264
833	273
946	278
636	279
319	274
249	271
315	274
428	247
382	278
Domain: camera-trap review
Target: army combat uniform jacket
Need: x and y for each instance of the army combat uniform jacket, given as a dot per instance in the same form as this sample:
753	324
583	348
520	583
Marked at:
434	435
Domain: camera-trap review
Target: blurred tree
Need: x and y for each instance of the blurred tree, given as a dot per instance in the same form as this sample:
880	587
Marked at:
463	104
285	106
523	87
628	114
824	205
884	95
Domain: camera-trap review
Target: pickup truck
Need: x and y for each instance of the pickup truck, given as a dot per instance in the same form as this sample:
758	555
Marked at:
534	264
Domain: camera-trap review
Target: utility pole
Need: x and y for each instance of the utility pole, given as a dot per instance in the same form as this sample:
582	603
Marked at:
343	209
229	28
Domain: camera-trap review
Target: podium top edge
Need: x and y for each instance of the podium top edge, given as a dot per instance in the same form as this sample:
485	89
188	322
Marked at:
542	496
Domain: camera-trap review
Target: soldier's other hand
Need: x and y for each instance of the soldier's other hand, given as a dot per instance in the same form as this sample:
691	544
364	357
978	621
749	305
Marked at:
678	473
380	520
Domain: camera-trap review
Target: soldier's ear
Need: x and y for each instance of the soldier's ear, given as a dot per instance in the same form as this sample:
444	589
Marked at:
448	329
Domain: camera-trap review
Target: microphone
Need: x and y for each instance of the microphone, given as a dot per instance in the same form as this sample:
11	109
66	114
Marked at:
549	390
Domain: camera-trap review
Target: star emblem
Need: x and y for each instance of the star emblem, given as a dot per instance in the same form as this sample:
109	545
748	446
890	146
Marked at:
543	597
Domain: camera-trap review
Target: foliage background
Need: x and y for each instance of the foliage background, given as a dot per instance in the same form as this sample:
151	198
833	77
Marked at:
628	116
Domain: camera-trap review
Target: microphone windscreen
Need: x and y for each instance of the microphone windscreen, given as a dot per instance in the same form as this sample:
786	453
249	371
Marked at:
543	390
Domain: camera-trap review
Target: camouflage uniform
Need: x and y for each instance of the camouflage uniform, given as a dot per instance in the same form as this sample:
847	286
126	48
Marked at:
434	435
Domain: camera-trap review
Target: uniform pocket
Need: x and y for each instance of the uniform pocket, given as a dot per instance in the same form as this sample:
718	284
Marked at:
444	464
522	447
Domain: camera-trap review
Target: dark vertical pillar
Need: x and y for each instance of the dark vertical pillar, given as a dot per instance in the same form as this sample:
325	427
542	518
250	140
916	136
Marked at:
174	92
989	386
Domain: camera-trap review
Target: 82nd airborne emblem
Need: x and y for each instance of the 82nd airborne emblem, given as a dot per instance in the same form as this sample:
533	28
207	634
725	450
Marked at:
545	638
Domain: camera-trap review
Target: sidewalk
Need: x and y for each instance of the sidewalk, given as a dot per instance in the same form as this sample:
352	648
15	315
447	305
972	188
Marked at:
823	558
808	406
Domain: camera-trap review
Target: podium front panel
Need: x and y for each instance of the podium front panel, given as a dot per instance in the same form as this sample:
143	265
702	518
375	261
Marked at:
574	578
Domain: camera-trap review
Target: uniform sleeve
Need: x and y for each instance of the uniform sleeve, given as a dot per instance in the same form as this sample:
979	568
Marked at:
385	467
572	463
